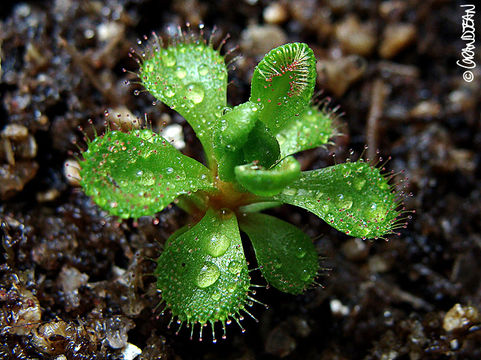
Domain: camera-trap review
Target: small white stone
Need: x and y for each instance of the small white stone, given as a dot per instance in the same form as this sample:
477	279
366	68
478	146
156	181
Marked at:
174	134
15	132
71	171
275	13
89	33
131	351
106	31
338	308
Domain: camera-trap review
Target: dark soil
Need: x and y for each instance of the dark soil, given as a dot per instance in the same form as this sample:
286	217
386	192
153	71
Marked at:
73	281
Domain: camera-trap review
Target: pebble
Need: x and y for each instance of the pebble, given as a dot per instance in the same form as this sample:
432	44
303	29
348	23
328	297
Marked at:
337	75
130	352
71	171
27	149
279	342
116	331
355	37
14	177
377	264
355	249
460	100
257	40
106	31
426	109
338	308
26	312
395	38
174	134
275	13
47	196
15	132
70	280
123	118
460	317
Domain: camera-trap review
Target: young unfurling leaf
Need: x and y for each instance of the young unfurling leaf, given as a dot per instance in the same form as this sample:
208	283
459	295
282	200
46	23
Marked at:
283	83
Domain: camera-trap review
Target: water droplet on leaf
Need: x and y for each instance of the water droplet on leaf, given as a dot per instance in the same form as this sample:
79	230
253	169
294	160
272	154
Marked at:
147	178
300	253
168	60
305	275
209	273
289	192
203	69
216	295
235	267
180	72
168	91
195	93
218	245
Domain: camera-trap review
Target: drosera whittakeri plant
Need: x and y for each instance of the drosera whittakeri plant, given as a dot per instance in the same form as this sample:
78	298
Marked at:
202	273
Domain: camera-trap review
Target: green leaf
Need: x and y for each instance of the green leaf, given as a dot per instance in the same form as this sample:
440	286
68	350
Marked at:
226	163
231	133
235	125
202	273
283	82
353	198
138	173
192	79
259	206
311	129
261	147
240	139
262	182
286	255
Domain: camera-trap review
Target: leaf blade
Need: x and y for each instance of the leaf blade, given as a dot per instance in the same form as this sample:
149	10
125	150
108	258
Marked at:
353	198
268	182
283	83
285	254
203	273
311	129
190	77
138	173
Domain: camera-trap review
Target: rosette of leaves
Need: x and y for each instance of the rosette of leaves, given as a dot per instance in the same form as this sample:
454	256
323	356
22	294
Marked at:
202	272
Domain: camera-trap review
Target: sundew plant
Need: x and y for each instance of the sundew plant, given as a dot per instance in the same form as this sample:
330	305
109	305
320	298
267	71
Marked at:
202	272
